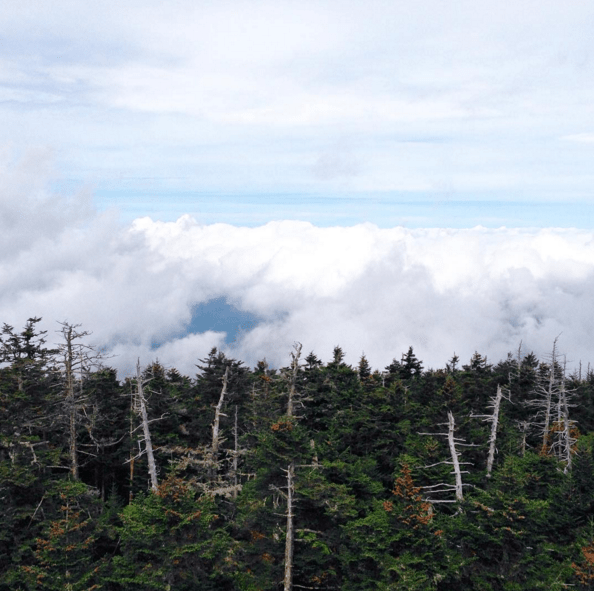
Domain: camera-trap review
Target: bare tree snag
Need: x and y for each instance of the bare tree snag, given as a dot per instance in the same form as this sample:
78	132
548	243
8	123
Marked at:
493	418
453	443
70	404
454	454
546	391
289	536
235	455
74	357
131	460
293	380
148	446
565	429
217	421
548	400
213	459
496	401
558	432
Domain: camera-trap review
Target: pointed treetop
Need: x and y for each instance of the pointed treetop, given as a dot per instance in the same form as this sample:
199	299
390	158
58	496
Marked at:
364	367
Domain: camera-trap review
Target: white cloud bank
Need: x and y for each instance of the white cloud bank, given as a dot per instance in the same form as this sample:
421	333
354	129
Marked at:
364	288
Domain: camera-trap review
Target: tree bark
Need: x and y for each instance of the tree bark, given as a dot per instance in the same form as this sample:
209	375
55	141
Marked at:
132	412
289	535
494	425
235	455
216	428
70	401
547	407
289	538
454	454
293	383
146	430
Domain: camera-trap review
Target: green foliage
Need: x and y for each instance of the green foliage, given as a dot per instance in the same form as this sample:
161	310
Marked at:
398	544
508	533
361	517
62	556
172	539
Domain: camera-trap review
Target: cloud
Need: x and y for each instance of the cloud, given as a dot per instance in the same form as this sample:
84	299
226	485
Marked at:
248	94
136	287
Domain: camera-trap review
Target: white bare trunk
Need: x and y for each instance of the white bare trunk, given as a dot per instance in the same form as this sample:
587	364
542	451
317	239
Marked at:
293	384
289	538
494	425
147	433
70	402
235	455
454	454
74	357
216	427
217	420
132	458
548	402
568	438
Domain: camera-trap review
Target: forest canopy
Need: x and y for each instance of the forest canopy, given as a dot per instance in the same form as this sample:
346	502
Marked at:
477	475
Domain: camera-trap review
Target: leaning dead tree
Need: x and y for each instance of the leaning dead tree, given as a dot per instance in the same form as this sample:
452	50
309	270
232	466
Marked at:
453	444
228	484
139	407
213	459
493	418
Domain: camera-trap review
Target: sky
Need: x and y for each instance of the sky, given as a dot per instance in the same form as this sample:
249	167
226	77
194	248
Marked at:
181	175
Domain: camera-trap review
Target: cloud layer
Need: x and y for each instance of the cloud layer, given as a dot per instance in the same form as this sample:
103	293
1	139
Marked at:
364	288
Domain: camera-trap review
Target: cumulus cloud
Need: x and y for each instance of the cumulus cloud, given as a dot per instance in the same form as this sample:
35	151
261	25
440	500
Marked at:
361	287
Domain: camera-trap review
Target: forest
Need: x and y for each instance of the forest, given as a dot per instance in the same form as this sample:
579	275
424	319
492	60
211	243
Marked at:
475	476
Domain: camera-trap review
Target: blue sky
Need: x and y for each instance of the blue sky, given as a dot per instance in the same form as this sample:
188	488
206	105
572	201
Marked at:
335	112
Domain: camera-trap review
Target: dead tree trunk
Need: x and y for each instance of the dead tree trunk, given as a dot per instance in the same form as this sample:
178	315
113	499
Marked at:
558	432
148	446
566	428
214	455
289	537
73	356
293	381
454	454
70	403
453	443
547	404
494	425
235	455
493	418
132	413
546	392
